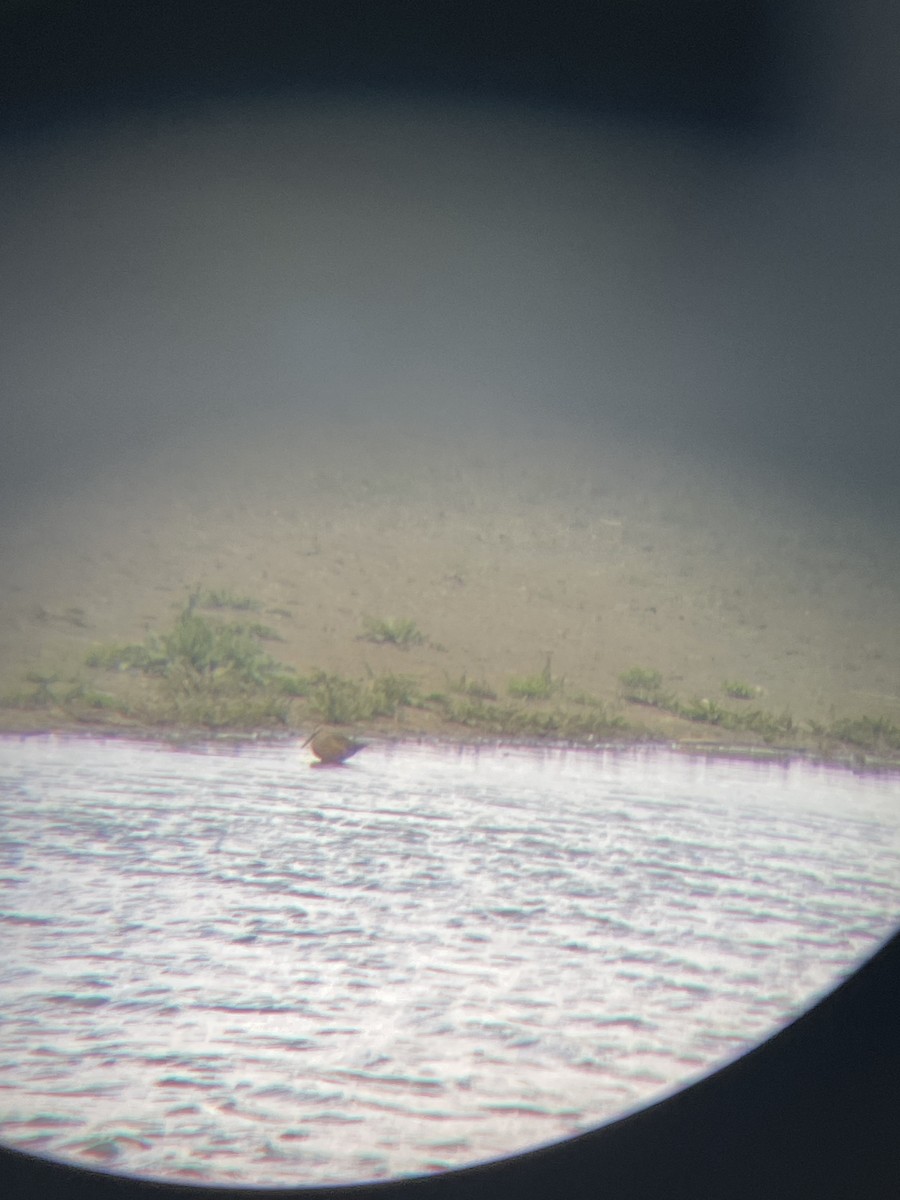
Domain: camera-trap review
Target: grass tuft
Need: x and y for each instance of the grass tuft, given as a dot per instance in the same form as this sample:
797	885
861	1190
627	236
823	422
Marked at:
736	689
534	687
392	632
41	694
641	686
473	688
222	598
516	721
209	672
390	692
340	701
879	735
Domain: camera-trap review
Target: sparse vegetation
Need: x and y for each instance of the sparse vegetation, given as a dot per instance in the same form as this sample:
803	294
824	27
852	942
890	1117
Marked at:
390	692
534	687
223	598
340	701
641	686
209	670
474	688
205	647
70	616
80	694
707	711
393	632
769	726
214	706
290	684
515	721
736	689
336	700
75	697
41	694
878	735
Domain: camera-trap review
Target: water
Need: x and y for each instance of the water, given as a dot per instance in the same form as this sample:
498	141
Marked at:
219	965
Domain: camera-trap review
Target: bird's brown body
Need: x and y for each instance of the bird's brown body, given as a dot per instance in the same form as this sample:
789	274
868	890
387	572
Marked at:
332	749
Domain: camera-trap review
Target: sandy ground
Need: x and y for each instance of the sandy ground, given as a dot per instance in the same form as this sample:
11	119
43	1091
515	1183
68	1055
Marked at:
505	552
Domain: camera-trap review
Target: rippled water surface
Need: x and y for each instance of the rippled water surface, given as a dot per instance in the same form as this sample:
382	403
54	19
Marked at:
218	964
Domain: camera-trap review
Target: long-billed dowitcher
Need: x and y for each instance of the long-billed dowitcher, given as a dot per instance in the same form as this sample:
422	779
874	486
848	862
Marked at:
332	749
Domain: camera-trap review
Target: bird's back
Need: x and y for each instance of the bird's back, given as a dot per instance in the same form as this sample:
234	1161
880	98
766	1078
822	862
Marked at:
334	748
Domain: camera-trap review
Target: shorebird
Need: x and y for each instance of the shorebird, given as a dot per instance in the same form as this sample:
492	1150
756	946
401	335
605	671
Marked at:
332	749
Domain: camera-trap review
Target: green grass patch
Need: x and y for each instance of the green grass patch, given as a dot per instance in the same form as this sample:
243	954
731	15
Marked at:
204	647
340	701
768	725
400	632
213	705
640	685
223	598
512	720
475	689
83	696
73	697
390	692
879	735
534	687
736	689
208	672
39	694
290	684
707	712
118	656
336	700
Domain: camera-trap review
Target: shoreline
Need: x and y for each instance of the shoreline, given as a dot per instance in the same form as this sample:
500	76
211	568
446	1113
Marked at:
860	762
524	590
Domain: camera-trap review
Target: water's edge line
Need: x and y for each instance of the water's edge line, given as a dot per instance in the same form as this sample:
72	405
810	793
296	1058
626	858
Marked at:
858	762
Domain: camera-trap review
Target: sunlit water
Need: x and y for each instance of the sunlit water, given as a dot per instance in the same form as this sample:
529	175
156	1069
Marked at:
219	964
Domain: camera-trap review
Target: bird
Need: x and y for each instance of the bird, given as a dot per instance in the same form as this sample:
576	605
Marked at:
332	749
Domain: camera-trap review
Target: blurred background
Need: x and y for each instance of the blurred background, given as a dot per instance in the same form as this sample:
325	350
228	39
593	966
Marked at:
677	218
632	265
